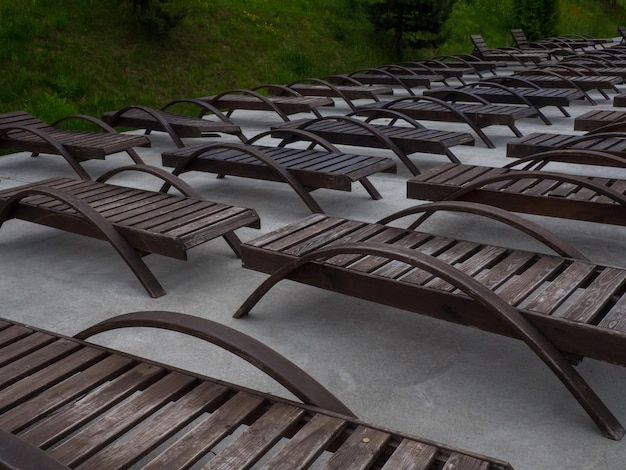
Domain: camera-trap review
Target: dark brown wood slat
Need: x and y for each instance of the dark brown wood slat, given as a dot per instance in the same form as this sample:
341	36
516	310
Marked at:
308	443
411	455
312	237
514	263
615	319
150	433
49	376
616	185
11	333
48	401
287	231
561	288
595	296
359	451
21	345
523	285
110	425
57	426
390	235
210	430
465	462
395	269
38	359
563	190
473	265
250	446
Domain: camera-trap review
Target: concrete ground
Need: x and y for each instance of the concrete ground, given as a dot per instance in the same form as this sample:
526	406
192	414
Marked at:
426	377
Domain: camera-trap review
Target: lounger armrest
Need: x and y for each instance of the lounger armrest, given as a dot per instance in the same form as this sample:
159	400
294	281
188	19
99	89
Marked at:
286	373
17	454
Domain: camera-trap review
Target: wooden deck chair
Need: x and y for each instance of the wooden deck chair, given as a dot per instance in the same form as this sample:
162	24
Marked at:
505	54
516	91
609	139
479	66
135	222
601	120
393	75
402	140
22	132
477	115
456	280
304	169
176	125
553	47
67	402
348	90
254	100
526	186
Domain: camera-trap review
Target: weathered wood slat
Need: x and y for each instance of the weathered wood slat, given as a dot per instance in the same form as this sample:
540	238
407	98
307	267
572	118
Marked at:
359	451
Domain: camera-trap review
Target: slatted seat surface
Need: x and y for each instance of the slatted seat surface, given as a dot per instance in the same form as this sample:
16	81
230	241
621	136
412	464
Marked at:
538	97
185	126
535	195
585	83
592	120
409	80
482	115
353	92
313	168
287	104
81	144
96	408
578	306
150	221
542	142
409	139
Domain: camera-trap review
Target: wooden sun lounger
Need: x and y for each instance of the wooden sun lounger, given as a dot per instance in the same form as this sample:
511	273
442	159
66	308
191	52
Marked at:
66	402
505	54
401	140
531	189
476	115
176	125
134	221
347	90
284	106
457	280
303	169
22	132
613	143
594	120
393	75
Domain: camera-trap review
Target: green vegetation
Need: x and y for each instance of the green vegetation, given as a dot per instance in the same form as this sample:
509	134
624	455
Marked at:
89	56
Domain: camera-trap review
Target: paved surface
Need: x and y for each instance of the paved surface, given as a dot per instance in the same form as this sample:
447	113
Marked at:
426	377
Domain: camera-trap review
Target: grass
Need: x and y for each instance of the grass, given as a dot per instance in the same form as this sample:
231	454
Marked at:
90	56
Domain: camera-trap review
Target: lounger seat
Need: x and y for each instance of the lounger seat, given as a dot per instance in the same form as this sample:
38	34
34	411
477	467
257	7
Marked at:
177	125
304	169
554	303
134	221
401	140
505	54
91	407
593	120
22	132
347	90
537	192
395	75
476	115
284	106
613	143
619	100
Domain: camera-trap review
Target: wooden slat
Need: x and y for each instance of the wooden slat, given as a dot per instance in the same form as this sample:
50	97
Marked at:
411	455
359	451
306	444
465	462
250	446
207	432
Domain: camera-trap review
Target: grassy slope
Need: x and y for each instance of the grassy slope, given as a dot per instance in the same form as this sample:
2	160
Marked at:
91	55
